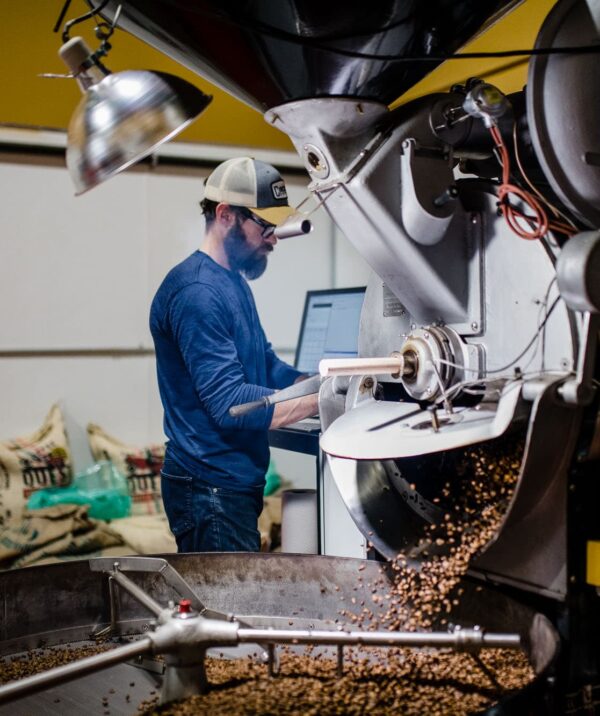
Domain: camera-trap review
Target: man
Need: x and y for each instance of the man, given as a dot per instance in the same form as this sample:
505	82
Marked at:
212	354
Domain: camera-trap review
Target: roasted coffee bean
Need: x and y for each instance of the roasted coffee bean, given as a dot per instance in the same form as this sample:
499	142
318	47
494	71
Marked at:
17	667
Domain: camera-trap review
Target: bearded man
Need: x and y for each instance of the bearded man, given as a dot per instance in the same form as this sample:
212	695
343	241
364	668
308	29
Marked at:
212	354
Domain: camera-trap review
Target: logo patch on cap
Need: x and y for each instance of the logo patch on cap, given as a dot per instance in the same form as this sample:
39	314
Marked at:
278	189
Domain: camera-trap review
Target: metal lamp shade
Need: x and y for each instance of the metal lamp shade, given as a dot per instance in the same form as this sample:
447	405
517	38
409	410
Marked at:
124	118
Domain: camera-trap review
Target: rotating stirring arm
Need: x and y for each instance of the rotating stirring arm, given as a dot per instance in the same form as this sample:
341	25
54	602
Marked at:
184	635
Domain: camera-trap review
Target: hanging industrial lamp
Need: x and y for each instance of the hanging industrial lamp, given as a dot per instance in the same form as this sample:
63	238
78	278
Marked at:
122	117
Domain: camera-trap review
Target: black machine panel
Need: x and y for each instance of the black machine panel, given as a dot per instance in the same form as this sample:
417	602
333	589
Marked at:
268	53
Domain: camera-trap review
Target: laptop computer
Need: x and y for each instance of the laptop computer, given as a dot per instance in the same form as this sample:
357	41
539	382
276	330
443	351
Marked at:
329	329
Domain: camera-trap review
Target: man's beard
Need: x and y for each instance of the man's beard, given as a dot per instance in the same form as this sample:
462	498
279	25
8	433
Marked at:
249	262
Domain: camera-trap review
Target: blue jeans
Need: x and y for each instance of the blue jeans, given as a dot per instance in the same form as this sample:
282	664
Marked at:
204	518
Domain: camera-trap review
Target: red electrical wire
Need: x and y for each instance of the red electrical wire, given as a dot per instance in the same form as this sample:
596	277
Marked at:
526	226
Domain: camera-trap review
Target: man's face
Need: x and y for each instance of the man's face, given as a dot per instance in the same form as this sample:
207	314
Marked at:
246	248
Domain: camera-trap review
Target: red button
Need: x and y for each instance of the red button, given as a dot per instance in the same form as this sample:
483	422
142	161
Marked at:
185	606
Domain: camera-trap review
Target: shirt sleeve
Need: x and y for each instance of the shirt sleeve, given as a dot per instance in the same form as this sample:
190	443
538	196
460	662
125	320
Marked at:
202	326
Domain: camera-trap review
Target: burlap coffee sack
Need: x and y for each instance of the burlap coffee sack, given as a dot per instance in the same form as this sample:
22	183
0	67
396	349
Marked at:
141	466
145	534
31	463
269	524
61	531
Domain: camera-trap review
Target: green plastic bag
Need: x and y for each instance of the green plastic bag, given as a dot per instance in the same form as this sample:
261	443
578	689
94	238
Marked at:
273	480
101	486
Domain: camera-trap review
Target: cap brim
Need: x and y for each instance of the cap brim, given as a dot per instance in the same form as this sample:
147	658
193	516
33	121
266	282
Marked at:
274	214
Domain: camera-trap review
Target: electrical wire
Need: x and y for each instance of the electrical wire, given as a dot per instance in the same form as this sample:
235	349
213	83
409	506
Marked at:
523	225
531	342
248	24
556	212
514	360
543	333
541	51
88	16
466	385
445	397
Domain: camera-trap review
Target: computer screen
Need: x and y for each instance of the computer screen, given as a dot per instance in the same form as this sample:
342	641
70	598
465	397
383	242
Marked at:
329	327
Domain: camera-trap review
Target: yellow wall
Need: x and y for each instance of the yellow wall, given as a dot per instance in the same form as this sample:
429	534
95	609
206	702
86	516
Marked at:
29	47
516	31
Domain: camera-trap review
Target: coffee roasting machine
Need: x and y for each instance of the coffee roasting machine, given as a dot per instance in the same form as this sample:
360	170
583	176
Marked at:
479	214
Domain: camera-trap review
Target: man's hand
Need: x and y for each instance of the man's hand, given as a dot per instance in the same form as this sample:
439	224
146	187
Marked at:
293	410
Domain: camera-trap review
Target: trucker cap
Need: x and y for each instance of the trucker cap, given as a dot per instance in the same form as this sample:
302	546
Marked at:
248	182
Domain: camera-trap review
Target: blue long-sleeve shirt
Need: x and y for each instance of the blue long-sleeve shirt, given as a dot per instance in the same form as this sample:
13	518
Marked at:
212	353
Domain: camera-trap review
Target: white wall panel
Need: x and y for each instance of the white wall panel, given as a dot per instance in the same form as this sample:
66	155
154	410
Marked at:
175	223
71	268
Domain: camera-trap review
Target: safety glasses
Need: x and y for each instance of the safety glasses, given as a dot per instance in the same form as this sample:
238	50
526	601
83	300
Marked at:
266	228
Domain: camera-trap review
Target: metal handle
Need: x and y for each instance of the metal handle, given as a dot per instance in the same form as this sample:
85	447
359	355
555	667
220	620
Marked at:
238	410
310	386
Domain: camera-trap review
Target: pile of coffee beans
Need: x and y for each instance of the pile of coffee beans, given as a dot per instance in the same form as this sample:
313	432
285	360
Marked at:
408	682
37	660
419	597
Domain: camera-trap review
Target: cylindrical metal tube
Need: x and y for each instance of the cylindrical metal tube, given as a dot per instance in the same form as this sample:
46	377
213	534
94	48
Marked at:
462	639
393	365
297	224
52	677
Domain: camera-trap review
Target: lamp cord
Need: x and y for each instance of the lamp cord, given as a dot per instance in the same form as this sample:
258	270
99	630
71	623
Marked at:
87	16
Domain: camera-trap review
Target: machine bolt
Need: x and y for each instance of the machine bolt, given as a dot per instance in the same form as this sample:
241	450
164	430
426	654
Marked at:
450	194
413	326
435	421
475	325
367	383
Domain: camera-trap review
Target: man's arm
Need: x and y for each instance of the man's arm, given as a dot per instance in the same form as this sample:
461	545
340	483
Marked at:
204	335
291	411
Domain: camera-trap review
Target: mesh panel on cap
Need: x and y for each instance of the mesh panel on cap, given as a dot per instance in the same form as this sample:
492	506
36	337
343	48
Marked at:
233	182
